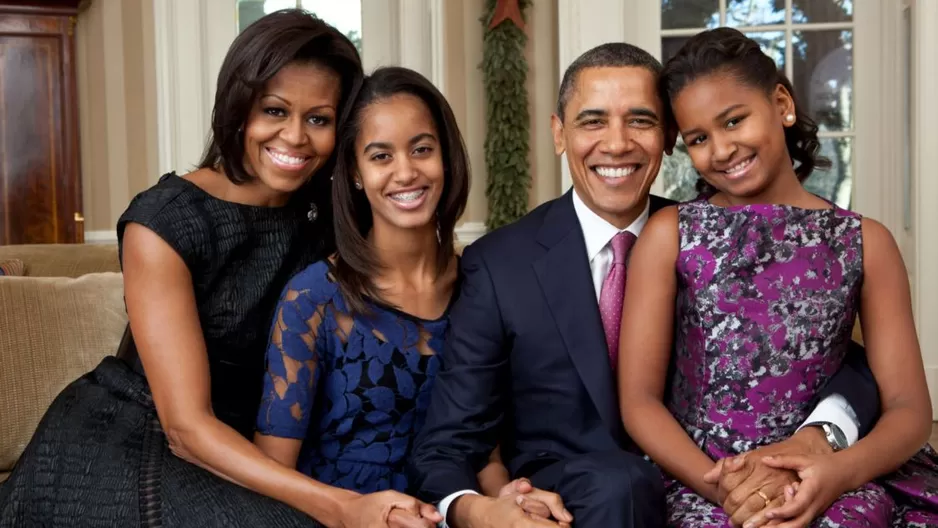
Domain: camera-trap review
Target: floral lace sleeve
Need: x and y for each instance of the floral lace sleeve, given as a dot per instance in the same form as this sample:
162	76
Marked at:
292	366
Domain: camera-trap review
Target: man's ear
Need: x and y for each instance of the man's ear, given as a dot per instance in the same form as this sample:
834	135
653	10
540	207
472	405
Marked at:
670	136
556	128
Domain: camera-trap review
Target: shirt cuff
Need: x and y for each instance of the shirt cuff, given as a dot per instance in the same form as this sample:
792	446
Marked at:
836	410
445	503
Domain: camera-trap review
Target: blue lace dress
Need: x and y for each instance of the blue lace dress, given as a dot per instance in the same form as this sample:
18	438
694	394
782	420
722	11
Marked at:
354	388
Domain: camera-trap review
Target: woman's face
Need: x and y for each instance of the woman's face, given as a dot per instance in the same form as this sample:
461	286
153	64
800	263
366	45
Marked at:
734	132
400	162
290	131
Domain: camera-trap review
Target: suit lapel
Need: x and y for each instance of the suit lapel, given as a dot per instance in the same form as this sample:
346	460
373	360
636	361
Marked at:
564	275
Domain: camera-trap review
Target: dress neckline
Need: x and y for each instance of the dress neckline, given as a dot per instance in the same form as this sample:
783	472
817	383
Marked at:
832	207
287	209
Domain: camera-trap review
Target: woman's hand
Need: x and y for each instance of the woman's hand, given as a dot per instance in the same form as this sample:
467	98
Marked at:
388	509
823	481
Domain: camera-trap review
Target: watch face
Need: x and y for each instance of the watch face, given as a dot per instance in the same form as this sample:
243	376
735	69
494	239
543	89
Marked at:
838	436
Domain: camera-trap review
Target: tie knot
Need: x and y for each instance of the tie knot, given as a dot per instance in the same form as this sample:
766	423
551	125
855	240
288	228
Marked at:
621	245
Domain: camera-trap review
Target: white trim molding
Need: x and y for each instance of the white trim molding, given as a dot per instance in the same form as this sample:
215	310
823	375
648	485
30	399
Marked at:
192	38
101	237
405	33
469	232
924	185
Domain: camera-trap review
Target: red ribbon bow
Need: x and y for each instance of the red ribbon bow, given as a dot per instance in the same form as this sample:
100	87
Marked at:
507	10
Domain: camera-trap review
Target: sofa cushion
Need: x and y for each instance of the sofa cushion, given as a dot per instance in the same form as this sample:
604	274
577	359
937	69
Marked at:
63	260
11	268
53	330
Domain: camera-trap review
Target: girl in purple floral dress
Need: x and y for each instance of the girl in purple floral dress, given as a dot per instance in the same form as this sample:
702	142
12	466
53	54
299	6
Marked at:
759	283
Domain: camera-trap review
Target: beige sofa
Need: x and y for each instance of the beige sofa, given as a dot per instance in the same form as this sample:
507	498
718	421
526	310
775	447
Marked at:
56	323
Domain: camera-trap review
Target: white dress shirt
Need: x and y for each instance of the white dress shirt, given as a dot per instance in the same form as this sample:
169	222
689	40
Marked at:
597	233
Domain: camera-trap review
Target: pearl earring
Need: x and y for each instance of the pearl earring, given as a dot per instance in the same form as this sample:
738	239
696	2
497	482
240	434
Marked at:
358	185
790	118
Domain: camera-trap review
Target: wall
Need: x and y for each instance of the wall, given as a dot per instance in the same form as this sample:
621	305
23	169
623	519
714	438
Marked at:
117	108
117	85
464	91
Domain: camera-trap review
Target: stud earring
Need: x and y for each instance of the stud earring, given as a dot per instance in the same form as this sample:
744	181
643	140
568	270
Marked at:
358	185
790	118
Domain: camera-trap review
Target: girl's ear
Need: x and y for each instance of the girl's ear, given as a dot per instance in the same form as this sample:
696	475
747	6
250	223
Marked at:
785	105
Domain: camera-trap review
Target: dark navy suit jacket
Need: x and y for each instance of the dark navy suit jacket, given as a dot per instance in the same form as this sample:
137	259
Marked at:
526	364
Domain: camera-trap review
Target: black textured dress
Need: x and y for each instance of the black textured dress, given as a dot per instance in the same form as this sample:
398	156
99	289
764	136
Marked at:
99	456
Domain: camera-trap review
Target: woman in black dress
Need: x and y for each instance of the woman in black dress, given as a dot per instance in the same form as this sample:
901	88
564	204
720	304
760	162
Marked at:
205	256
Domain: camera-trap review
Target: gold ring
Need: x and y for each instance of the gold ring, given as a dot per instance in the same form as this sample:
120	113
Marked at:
764	497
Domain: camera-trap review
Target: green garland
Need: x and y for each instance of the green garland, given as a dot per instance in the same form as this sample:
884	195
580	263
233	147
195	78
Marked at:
507	120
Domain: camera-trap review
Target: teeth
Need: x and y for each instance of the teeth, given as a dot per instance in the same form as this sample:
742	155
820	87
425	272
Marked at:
738	167
283	158
613	172
407	196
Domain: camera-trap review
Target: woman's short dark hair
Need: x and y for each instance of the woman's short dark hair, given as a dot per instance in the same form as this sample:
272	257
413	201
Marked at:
255	56
727	50
356	264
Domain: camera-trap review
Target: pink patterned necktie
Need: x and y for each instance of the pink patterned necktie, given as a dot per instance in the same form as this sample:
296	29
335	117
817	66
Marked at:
613	292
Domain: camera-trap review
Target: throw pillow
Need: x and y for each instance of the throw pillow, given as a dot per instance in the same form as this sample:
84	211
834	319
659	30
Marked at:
12	268
53	330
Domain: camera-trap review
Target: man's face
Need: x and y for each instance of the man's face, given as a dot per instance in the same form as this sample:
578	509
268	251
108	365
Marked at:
613	133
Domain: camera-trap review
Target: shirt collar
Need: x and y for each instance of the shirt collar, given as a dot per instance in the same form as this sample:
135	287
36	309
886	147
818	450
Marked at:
597	232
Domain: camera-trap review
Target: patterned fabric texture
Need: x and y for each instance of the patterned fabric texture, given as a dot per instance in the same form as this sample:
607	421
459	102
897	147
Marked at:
354	387
12	268
767	298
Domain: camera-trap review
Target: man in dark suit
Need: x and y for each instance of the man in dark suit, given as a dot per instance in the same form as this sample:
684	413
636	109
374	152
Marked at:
528	362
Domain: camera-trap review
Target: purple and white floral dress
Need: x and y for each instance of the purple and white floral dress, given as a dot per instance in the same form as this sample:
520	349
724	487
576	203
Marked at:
767	299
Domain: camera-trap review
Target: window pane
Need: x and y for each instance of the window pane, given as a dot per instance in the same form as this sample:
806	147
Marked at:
249	11
835	184
678	175
344	15
823	76
803	11
686	14
771	42
742	13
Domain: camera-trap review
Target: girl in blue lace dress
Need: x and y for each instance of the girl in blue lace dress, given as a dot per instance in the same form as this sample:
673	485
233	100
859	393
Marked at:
354	343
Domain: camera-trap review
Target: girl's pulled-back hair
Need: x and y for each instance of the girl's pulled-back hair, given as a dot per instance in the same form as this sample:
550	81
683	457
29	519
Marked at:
356	264
728	51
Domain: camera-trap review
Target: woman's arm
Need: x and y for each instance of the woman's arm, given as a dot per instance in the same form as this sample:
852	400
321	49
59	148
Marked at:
644	353
895	359
291	376
165	324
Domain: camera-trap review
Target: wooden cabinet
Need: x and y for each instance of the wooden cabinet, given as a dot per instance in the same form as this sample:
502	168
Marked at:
40	171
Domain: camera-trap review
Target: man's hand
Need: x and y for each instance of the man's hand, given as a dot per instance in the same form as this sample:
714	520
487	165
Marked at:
399	518
739	478
536	502
477	511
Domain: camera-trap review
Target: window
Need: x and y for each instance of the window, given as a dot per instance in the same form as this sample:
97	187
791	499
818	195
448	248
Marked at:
812	42
344	15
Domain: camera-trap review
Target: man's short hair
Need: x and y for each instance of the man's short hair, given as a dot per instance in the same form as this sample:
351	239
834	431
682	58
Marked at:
609	55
